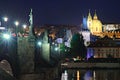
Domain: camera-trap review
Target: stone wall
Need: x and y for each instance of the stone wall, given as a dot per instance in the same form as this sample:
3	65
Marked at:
43	74
90	65
26	50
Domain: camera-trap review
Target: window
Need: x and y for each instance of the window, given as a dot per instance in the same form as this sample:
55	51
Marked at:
96	29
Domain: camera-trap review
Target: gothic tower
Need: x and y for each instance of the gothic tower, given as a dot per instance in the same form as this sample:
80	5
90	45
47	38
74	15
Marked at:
89	21
96	25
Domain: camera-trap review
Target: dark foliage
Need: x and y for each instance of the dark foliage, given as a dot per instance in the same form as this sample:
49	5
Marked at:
77	46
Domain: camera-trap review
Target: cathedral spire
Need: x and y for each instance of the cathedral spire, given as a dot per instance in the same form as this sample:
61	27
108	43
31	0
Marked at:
89	20
95	15
89	15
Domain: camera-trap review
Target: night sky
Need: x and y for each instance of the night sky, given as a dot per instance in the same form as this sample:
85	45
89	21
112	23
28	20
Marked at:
60	11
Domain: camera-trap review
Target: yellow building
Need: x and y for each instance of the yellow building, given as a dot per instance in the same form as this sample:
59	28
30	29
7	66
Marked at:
89	21
94	25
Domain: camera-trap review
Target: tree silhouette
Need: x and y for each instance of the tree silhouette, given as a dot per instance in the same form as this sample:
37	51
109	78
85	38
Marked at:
77	46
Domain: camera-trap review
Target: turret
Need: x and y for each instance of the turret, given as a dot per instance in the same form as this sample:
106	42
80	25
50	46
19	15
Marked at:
95	15
96	25
89	21
84	23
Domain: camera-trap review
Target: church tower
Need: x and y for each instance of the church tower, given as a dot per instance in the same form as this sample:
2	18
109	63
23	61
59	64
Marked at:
89	21
96	25
95	16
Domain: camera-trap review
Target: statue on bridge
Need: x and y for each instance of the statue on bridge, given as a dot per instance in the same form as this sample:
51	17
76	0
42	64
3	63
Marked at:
31	23
31	17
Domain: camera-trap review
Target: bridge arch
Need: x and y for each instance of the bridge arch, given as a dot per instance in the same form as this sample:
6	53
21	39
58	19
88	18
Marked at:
5	65
10	66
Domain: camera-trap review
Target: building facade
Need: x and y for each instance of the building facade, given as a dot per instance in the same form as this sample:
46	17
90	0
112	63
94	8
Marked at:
96	28
94	24
104	49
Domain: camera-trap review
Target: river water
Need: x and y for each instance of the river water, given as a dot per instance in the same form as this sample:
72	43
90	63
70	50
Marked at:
94	74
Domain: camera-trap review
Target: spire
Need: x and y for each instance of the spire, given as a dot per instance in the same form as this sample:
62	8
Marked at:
89	20
95	15
89	12
89	15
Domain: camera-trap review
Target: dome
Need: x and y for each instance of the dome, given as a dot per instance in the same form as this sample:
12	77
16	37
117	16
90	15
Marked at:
96	25
96	21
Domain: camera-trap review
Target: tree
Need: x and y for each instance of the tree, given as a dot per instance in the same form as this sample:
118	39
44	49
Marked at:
77	46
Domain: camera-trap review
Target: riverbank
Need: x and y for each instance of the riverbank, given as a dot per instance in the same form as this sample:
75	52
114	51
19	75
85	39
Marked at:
89	65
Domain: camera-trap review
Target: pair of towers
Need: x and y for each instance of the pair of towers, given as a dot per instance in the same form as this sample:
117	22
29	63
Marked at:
94	24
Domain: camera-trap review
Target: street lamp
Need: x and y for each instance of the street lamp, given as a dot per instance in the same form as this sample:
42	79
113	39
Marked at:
39	43
6	36
16	23
56	48
5	19
24	28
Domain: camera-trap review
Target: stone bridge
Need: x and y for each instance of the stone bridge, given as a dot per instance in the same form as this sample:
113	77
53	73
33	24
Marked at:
27	60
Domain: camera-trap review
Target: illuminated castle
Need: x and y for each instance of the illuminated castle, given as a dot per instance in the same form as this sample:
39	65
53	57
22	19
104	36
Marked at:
96	28
107	38
91	26
94	24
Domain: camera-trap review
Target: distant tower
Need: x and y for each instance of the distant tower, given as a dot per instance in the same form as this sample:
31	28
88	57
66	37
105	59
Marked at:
95	16
84	23
85	29
68	37
96	25
89	21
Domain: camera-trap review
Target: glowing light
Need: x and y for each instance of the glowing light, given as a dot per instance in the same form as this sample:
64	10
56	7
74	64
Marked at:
94	75
78	75
24	26
65	75
6	36
59	40
39	43
2	28
53	43
16	23
56	49
5	19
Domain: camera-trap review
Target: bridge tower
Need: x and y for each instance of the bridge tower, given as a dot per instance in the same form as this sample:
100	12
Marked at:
26	49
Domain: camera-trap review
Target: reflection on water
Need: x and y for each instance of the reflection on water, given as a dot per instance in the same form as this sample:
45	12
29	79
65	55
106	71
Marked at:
73	74
88	75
